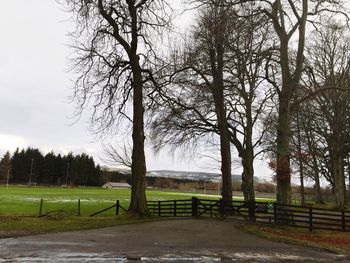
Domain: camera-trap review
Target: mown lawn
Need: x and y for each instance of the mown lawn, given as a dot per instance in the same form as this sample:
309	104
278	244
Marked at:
26	200
19	208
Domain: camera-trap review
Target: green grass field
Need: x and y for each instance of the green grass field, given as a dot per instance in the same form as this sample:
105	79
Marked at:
26	201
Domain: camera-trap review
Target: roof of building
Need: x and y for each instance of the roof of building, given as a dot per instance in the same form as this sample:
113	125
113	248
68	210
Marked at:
117	184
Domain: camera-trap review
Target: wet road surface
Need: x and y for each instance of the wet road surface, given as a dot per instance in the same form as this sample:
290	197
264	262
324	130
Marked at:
186	240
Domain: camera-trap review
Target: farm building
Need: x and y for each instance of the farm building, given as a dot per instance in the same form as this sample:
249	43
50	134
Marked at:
111	185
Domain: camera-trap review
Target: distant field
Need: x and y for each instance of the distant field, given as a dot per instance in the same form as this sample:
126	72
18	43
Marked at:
26	200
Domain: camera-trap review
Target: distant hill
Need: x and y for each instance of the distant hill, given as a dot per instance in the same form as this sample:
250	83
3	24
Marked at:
187	175
194	176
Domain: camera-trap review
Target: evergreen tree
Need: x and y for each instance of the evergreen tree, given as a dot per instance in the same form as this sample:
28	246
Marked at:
34	162
18	167
31	166
5	166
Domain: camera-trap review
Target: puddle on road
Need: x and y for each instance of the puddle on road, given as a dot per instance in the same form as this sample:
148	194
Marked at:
111	259
65	258
101	258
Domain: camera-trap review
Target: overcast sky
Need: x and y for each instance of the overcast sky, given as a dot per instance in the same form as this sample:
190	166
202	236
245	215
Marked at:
35	87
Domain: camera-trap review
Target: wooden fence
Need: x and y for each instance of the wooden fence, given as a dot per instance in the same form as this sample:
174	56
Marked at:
117	207
77	209
264	212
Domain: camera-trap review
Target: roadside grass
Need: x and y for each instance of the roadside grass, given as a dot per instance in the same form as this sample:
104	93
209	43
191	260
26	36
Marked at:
335	241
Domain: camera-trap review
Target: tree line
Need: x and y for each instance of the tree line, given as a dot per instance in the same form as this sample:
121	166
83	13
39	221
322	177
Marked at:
29	166
250	77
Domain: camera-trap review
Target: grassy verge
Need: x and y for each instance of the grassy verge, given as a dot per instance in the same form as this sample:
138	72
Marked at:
12	226
338	242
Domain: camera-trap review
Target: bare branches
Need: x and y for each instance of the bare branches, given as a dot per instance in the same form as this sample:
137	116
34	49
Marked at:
106	35
216	86
118	155
109	40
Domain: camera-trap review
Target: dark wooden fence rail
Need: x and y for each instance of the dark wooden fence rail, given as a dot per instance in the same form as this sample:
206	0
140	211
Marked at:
316	218
117	207
264	212
171	208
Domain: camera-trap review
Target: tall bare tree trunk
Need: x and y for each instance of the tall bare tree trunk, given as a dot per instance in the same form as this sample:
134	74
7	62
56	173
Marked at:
301	166
283	152
225	154
348	179
337	171
248	178
138	204
302	188
248	160
225	147
216	54
318	194
290	81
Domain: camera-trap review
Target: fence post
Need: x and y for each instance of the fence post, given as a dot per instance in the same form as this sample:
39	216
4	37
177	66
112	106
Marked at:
41	207
78	207
343	224
175	208
117	208
159	209
310	219
194	206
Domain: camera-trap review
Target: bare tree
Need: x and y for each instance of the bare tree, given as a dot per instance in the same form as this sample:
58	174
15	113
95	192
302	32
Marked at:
316	159
201	67
329	64
289	19
299	155
250	45
217	87
113	64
